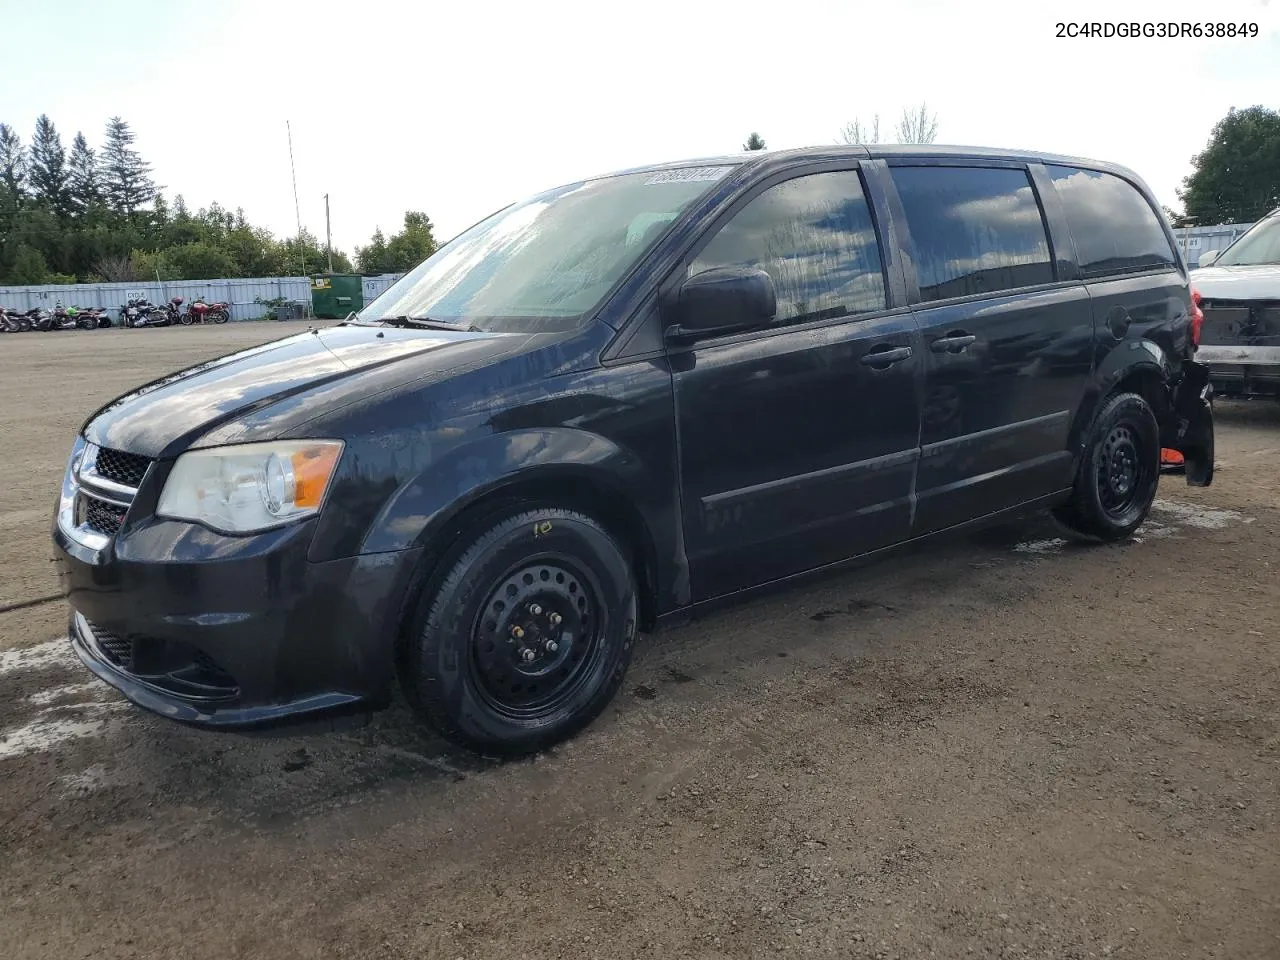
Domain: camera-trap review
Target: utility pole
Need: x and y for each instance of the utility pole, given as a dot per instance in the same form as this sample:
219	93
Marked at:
328	243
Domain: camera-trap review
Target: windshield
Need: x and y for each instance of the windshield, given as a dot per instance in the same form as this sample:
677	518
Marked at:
1259	245
545	263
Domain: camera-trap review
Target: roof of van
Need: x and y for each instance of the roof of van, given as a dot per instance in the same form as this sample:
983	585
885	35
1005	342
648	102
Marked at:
877	151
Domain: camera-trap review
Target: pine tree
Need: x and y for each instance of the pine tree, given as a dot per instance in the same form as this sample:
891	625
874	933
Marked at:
49	167
126	177
13	177
82	168
13	163
754	142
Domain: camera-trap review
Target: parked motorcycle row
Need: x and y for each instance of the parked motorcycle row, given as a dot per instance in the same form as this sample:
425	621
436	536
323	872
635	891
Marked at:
60	318
141	312
138	312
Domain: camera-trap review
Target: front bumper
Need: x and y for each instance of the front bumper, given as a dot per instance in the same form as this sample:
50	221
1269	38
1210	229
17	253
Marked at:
233	631
1242	370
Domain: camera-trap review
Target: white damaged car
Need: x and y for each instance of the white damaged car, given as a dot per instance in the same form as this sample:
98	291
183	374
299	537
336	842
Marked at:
1239	292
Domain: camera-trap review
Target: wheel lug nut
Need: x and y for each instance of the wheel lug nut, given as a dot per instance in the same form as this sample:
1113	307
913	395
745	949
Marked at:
555	619
535	609
552	646
517	631
526	654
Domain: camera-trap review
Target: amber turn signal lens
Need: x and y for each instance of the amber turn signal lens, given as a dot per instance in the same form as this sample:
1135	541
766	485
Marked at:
312	468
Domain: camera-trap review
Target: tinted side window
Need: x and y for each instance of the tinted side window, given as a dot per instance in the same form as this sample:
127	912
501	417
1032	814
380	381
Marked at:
975	229
1114	228
814	237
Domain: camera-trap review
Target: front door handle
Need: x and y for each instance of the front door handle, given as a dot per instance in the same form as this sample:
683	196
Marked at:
952	343
885	356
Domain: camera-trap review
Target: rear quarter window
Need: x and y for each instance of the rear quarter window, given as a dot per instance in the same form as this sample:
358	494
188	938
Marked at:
974	230
1114	228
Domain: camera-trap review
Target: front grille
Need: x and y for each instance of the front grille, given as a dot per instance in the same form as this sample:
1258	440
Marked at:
1253	323
100	515
121	467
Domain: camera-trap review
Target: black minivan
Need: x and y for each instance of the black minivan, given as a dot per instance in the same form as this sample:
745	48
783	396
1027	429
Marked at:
617	402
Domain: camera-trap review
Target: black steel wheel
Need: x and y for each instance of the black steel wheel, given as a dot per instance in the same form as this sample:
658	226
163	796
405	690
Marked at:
1119	471
526	637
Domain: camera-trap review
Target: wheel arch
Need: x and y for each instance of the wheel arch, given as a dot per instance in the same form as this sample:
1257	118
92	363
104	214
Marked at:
1139	367
440	510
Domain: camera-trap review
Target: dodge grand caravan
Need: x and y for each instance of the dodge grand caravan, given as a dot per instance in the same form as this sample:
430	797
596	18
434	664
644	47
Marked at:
616	403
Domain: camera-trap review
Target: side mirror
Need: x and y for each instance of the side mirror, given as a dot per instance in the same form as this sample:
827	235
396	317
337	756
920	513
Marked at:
1207	258
723	299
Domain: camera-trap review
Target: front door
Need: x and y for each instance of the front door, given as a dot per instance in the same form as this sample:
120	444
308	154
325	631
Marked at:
1008	349
798	442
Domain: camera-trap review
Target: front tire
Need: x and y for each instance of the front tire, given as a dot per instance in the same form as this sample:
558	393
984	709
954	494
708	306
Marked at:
528	636
1118	474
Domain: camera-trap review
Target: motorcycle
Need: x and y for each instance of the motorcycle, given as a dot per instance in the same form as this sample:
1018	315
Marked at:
11	321
141	312
62	318
200	312
88	318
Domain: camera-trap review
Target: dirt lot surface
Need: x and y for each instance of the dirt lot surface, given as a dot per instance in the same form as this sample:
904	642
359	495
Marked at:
1002	746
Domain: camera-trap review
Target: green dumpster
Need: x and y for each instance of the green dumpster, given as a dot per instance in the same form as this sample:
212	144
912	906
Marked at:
335	295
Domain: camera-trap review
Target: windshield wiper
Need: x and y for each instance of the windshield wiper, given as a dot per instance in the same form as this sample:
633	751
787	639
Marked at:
427	323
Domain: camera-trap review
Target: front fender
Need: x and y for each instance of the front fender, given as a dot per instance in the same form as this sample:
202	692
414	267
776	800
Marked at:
472	470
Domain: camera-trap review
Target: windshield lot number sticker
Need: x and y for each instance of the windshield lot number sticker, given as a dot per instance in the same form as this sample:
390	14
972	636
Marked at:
689	175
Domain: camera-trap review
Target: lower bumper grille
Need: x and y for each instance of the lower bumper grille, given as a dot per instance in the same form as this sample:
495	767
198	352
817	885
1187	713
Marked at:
175	667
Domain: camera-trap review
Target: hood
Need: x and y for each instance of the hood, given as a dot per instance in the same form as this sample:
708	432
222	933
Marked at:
1238	283
163	417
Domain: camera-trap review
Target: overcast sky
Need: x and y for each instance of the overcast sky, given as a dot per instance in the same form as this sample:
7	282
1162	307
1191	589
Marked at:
458	108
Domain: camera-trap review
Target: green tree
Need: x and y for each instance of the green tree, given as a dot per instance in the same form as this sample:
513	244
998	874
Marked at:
1237	176
413	244
754	142
82	176
49	175
13	178
404	251
373	258
126	177
13	162
196	261
26	266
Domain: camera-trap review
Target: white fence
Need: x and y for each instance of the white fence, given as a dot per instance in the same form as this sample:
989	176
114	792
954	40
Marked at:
241	294
373	286
1197	240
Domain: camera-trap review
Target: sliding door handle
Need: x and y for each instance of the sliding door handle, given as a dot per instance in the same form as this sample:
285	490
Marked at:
952	343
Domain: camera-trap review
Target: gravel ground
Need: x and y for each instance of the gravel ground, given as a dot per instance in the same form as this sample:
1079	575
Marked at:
999	746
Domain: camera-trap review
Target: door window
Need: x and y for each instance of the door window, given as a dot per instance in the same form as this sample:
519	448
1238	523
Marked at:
974	229
814	236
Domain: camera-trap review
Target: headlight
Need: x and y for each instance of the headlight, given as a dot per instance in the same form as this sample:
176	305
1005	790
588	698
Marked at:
252	487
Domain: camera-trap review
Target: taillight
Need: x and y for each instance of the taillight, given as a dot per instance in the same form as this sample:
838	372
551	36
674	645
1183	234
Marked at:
1197	317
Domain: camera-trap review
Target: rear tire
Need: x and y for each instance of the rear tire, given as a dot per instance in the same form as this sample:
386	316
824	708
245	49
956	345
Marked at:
1118	473
527	637
221	316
